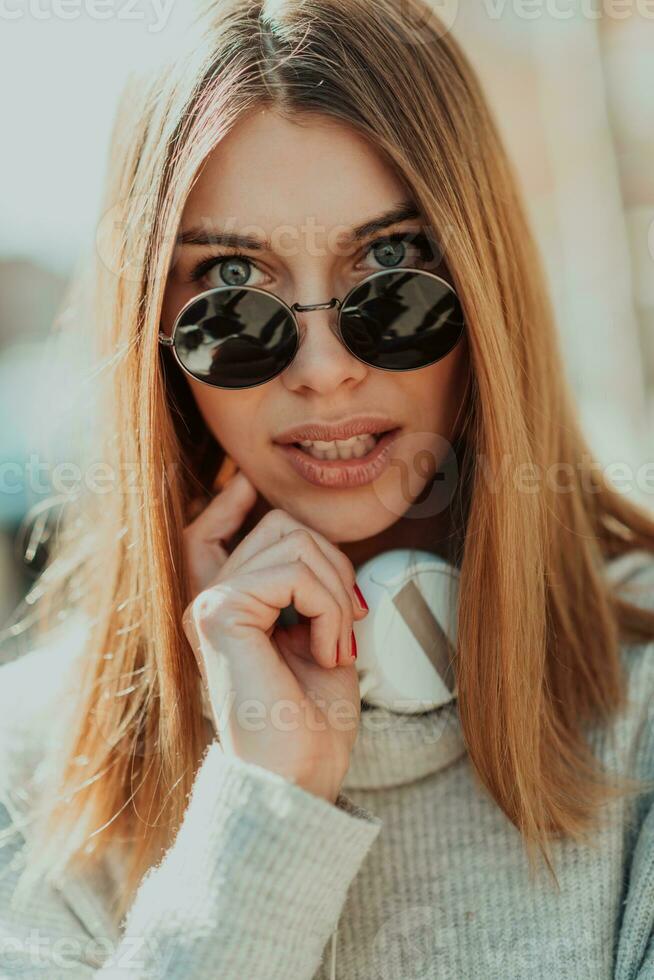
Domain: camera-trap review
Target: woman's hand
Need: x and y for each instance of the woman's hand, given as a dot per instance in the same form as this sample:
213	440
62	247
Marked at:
280	697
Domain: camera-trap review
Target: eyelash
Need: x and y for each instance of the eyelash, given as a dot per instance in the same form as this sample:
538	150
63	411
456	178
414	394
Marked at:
419	239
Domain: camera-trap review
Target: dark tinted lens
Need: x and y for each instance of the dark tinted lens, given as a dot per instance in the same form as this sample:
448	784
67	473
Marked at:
235	338
401	320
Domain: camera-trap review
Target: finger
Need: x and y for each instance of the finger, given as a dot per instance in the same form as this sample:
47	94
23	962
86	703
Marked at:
191	632
223	615
224	515
300	544
274	526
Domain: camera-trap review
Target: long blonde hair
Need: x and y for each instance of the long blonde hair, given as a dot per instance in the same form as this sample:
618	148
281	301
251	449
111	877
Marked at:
539	628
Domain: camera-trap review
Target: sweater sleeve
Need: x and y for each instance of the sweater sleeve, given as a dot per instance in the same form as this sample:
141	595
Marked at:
637	936
635	948
252	885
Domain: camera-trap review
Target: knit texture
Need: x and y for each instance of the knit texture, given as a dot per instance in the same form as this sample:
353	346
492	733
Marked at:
415	873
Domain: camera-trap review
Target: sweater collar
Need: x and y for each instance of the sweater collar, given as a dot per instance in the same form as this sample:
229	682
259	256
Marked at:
393	749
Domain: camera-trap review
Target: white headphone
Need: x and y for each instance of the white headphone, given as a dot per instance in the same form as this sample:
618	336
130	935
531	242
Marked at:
407	642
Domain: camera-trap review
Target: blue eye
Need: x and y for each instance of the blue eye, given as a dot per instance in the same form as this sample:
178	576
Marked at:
410	249
389	253
234	271
228	270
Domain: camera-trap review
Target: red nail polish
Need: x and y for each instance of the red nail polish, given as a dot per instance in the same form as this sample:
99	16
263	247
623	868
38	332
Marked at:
354	645
359	595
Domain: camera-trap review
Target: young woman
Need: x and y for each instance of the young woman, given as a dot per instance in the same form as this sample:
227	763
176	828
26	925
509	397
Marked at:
311	232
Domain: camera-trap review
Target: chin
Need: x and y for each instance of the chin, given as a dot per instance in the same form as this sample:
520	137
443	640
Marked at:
346	522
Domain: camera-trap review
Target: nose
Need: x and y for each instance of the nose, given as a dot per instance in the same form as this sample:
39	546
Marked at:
322	361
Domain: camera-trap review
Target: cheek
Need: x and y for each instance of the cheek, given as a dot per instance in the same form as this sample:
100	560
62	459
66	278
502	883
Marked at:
176	295
440	390
214	407
231	417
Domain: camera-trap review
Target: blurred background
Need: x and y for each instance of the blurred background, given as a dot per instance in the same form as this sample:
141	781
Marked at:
572	88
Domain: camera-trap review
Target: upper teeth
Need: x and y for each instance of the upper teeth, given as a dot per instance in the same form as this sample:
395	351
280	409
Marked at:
357	446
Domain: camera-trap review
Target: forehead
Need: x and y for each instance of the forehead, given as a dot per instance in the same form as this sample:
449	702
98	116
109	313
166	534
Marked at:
270	172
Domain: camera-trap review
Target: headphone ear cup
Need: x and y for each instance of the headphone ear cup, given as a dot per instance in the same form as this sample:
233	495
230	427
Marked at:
407	642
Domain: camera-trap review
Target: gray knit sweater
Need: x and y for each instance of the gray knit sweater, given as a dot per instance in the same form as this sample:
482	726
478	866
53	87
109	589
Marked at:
415	873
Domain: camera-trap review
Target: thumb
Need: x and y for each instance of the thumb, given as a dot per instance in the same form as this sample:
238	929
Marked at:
224	515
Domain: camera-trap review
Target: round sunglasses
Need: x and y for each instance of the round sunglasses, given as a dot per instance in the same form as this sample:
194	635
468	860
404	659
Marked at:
242	336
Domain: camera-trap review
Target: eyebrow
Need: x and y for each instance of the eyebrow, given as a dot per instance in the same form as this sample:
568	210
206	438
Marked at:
404	211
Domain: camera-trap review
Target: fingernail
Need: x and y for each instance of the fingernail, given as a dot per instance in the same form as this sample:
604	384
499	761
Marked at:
354	645
359	597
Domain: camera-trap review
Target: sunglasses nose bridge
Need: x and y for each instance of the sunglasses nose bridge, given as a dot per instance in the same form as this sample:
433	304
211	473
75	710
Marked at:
303	308
333	303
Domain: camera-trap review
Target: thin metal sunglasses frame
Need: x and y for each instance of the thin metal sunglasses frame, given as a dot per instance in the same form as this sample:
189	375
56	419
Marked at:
169	341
